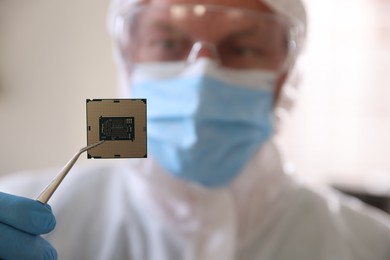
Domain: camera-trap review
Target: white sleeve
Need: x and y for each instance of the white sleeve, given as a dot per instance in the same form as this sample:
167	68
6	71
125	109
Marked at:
26	184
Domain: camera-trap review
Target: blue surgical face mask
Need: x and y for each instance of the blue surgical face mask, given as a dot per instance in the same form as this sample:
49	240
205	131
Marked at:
204	122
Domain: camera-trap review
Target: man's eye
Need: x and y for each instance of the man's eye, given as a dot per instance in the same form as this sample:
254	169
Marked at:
167	48
168	44
247	51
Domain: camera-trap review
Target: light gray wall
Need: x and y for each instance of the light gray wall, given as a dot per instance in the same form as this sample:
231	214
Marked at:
53	55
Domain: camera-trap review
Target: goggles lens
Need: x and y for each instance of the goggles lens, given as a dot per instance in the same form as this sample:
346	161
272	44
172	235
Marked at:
237	38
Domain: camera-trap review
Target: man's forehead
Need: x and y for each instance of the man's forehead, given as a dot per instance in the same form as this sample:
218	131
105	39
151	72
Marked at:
213	26
255	5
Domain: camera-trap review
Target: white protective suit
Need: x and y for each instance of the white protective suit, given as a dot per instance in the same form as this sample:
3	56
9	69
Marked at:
132	209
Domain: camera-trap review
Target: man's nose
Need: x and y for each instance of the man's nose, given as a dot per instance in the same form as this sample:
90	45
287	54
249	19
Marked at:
203	50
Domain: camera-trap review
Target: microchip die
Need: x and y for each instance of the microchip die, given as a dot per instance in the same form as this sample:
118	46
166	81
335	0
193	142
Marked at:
116	128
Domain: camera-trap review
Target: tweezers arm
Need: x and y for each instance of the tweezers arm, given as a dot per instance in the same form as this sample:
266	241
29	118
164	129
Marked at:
52	187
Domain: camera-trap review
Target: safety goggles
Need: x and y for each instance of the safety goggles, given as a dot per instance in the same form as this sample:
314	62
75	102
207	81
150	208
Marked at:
236	38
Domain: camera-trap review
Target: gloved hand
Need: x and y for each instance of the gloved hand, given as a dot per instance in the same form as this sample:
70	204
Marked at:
22	221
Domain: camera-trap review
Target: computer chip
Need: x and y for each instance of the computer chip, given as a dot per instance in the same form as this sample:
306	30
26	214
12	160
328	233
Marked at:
116	128
121	123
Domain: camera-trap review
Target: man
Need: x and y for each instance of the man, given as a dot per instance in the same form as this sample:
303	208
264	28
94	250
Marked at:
213	186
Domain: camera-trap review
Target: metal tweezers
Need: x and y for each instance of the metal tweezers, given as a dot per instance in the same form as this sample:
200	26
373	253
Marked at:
51	188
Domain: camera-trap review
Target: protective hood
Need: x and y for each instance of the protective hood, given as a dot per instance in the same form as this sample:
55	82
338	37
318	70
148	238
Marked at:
293	9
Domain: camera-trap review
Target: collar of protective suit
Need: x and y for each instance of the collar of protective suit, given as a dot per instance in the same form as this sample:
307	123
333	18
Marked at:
213	221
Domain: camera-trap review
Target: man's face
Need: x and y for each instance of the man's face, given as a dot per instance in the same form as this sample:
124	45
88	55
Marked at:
237	40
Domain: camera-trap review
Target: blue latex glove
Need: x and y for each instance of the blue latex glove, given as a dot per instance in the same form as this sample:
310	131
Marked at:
22	221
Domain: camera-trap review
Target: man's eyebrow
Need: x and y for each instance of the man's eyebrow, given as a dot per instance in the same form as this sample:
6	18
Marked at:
165	27
240	33
264	33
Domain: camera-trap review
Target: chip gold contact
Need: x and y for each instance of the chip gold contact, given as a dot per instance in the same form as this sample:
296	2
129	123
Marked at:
121	123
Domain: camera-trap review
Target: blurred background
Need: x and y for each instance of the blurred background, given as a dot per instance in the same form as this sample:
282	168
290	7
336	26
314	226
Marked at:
55	54
339	129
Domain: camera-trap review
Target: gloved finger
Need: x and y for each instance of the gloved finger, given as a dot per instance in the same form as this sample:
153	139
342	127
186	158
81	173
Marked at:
16	244
26	214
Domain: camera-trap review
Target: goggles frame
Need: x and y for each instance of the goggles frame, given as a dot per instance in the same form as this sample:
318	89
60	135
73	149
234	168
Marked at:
125	20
